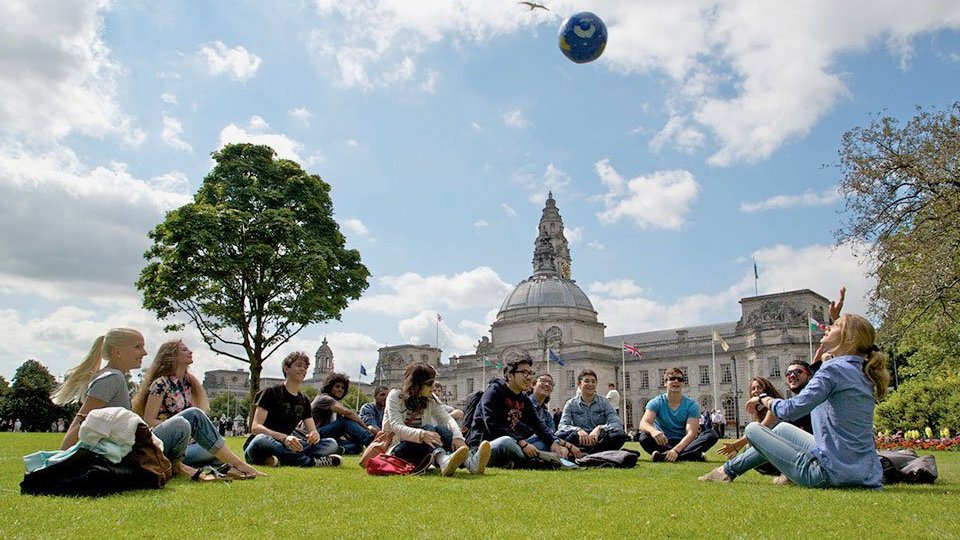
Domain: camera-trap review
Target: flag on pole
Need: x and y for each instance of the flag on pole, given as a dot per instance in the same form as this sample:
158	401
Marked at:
555	357
723	343
632	350
363	371
439	318
756	274
816	326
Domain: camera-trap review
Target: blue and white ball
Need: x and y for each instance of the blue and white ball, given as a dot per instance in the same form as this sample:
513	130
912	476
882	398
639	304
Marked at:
583	37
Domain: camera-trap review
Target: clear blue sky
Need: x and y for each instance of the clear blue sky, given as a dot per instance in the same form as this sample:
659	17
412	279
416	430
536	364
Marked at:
701	140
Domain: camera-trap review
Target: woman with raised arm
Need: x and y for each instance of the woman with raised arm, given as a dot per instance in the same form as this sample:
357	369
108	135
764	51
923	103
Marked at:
840	399
96	388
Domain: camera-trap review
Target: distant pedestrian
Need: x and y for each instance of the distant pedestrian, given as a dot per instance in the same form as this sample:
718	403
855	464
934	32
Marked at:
16	425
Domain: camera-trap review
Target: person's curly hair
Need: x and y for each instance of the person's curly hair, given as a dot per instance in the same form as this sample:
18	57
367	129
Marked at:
334	378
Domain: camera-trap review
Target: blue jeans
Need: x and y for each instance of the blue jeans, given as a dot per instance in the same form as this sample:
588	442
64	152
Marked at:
787	448
263	446
415	452
196	456
542	446
175	432
351	436
505	452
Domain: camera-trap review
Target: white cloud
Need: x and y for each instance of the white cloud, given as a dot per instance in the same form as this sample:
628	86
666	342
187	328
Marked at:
302	114
599	246
356	227
508	210
808	198
751	76
573	235
429	85
515	119
412	293
352	143
172	129
480	223
660	200
56	73
822	269
476	127
236	62
553	180
168	98
79	230
422	329
285	147
618	288
402	72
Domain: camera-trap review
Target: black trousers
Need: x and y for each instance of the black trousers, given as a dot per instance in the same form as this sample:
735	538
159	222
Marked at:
704	442
605	442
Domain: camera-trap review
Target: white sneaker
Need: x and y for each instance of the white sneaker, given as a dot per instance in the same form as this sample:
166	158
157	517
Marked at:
449	463
477	462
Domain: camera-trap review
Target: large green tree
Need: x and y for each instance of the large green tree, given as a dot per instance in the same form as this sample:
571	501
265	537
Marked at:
29	397
254	259
902	189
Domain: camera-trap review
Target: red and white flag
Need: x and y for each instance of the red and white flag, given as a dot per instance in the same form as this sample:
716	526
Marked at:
632	350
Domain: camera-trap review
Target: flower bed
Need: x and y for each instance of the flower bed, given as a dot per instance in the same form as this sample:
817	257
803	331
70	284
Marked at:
915	440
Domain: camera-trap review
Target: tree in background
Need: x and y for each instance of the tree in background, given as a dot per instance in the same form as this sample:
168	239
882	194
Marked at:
902	191
29	398
230	405
254	259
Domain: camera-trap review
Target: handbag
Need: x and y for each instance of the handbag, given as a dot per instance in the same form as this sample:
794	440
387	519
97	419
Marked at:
387	465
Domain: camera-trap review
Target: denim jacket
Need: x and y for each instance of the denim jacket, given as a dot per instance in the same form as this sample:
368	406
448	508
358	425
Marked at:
578	414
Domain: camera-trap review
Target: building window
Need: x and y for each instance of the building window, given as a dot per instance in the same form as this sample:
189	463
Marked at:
571	380
706	402
704	374
725	375
644	379
686	379
662	372
626	380
774	367
729	410
469	386
456	393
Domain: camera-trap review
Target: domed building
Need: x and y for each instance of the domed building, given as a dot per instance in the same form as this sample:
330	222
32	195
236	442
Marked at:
548	311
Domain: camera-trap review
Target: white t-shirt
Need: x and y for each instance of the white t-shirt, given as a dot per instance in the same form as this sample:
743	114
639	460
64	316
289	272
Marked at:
614	398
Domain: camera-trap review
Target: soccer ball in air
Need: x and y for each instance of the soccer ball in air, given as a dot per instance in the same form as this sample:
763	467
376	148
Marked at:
583	37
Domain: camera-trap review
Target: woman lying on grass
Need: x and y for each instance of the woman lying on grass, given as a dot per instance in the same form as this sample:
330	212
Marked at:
418	419
167	389
123	349
840	399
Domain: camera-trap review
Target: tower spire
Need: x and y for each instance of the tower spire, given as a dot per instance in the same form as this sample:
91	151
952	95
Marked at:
550	230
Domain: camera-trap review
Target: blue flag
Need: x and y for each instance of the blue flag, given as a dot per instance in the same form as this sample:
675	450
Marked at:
363	370
555	357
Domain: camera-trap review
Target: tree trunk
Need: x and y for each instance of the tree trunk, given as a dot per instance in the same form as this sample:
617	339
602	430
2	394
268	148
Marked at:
255	369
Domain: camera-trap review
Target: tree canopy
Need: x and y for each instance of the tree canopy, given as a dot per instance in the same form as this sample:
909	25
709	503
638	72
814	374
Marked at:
29	398
902	190
254	259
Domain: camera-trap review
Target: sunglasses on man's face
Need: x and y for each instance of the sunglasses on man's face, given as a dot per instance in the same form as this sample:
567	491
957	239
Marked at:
795	372
674	379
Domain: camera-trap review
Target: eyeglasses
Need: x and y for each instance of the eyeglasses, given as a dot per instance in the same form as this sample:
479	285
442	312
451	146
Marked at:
796	372
674	379
545	382
524	372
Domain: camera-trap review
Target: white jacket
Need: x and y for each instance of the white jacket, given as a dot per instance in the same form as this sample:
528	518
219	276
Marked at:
396	414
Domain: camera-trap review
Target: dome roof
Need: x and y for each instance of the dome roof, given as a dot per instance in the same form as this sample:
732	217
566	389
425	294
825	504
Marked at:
546	291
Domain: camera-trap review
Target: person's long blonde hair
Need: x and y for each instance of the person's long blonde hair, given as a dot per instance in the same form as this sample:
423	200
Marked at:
78	377
858	337
164	365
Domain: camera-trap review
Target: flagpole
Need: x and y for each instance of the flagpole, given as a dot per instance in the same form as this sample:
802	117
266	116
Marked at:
756	277
810	336
713	352
358	387
623	376
438	330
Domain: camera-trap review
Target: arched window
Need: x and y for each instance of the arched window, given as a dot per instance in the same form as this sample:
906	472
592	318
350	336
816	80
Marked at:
706	403
629	418
729	409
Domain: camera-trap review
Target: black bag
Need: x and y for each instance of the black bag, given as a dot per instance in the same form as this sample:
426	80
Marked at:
907	467
619	459
84	474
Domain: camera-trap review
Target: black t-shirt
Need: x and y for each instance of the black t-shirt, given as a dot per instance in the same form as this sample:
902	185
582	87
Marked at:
284	410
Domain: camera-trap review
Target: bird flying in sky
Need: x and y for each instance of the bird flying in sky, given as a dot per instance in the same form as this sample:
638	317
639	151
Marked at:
534	5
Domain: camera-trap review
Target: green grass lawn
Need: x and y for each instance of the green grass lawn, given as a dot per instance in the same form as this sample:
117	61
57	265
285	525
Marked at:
649	501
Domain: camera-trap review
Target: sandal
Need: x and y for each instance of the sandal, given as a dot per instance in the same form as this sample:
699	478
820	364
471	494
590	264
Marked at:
209	474
234	473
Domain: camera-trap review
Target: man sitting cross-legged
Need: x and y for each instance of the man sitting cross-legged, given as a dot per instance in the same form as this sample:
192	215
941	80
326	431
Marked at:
670	427
540	397
335	420
279	409
589	421
506	418
372	413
